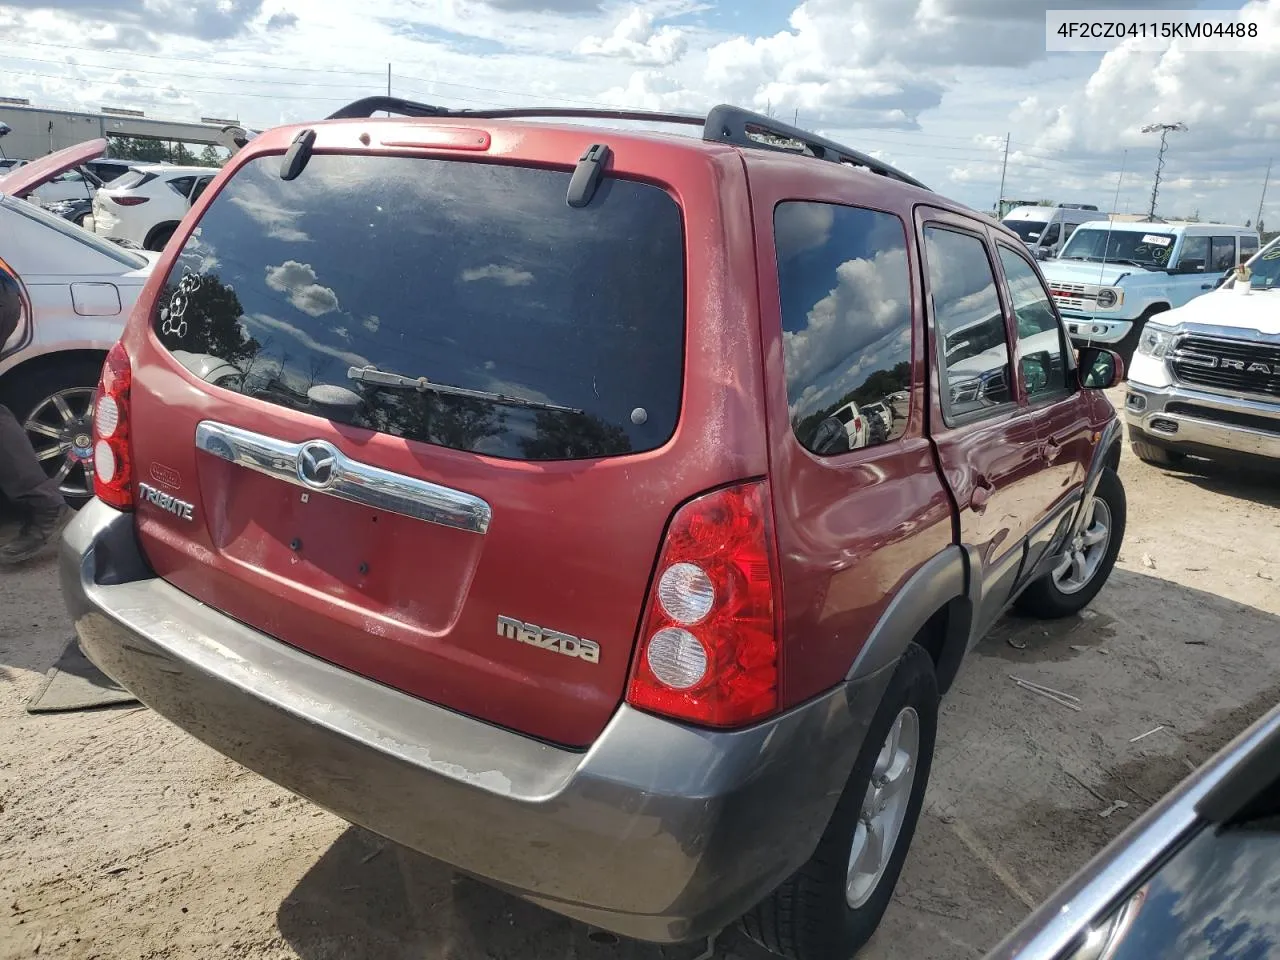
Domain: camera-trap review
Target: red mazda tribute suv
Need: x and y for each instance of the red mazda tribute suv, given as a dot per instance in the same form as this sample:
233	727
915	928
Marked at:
600	512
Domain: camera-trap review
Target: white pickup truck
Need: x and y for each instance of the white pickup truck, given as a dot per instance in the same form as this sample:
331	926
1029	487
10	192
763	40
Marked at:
1205	378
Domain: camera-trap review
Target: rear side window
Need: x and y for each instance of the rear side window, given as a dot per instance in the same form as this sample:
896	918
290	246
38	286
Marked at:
846	323
182	186
563	327
1248	247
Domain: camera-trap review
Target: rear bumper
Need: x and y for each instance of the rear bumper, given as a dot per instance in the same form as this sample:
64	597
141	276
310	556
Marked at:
658	831
1200	422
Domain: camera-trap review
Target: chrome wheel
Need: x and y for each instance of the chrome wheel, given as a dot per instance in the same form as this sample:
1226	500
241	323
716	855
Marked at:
1084	554
61	431
883	808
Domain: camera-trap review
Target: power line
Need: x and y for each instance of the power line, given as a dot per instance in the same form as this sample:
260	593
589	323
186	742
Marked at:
213	93
174	73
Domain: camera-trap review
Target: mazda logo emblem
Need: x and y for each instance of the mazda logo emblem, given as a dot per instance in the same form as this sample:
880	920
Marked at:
316	462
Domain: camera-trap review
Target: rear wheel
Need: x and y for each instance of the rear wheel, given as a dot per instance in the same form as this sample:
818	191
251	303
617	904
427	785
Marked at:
833	904
1153	453
157	240
1086	562
54	403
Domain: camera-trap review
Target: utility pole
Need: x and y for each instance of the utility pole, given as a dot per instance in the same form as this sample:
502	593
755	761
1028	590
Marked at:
388	79
1265	180
1164	129
1003	167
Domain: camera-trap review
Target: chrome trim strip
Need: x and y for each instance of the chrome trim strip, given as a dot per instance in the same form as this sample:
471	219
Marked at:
349	480
1241	335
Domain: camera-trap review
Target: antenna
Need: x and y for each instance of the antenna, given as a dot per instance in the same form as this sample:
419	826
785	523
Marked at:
1111	217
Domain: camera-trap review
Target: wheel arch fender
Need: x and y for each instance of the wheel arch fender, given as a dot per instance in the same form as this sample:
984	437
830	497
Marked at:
934	608
54	356
163	225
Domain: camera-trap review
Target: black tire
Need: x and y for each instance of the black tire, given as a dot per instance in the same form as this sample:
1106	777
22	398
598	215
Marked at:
159	237
808	917
30	386
1043	598
1153	453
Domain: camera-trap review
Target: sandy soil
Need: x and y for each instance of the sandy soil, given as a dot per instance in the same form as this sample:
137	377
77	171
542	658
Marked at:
122	837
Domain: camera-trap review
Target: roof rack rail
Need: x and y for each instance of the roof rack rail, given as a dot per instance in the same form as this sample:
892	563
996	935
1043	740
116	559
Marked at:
724	124
729	124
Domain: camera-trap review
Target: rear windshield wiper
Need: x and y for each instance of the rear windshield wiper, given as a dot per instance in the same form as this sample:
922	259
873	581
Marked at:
380	378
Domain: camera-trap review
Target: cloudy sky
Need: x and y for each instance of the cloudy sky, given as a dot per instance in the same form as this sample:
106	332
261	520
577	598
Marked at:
930	85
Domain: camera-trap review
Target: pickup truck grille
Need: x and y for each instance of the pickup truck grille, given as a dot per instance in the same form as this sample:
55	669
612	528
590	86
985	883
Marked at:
1238	365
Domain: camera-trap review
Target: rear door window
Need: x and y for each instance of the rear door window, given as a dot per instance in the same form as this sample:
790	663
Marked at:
970	324
1223	256
846	323
566	325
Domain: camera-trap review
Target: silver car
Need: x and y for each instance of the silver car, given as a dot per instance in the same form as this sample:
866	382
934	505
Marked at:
78	289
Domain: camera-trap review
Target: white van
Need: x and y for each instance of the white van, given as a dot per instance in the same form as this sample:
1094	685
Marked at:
1045	229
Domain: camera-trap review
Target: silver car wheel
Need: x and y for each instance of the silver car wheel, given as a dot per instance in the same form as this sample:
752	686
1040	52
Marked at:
1084	554
884	808
61	431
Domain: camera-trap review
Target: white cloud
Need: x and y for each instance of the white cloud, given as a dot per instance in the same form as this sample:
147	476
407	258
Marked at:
927	84
298	280
280	223
506	276
637	40
871	299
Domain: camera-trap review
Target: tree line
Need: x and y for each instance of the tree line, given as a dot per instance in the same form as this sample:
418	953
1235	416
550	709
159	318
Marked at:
147	150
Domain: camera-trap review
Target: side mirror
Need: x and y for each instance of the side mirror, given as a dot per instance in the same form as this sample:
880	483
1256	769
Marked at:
1100	369
1190	266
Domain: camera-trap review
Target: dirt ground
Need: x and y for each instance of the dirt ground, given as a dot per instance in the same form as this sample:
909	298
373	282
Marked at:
122	837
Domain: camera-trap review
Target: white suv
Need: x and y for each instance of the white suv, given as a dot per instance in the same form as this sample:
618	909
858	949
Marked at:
146	204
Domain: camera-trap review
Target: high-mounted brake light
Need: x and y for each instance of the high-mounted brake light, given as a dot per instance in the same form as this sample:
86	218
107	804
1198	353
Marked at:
112	450
708	650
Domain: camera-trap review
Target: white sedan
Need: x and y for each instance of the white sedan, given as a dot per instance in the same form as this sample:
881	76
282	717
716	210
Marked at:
146	204
78	290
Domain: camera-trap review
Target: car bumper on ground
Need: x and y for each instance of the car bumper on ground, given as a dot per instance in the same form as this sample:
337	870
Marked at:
657	831
1198	421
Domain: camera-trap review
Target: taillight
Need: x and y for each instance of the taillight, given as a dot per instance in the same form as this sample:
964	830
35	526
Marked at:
708	650
857	423
112	453
129	200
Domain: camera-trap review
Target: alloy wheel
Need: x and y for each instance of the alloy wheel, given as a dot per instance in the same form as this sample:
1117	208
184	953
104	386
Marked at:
1084	554
884	808
61	431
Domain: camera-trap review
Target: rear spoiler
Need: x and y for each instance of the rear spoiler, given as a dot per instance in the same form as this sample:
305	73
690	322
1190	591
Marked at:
235	137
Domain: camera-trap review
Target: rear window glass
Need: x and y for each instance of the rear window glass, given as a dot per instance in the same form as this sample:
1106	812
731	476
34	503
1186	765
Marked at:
474	276
131	179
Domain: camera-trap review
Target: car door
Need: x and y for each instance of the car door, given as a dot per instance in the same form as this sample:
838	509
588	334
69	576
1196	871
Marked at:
1064	430
988	448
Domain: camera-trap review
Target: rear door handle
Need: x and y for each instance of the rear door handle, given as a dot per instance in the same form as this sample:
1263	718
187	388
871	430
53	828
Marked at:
982	490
